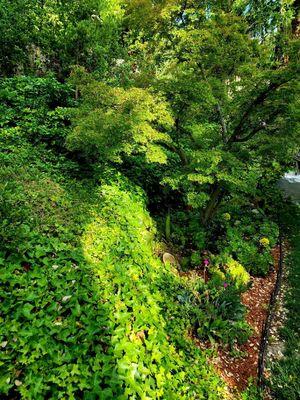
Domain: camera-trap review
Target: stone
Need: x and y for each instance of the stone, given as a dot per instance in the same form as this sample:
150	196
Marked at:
168	258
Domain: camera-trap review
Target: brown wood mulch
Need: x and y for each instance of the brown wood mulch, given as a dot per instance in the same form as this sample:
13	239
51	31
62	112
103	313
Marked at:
236	371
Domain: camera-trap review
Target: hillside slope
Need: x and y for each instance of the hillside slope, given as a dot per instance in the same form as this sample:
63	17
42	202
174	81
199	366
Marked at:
83	309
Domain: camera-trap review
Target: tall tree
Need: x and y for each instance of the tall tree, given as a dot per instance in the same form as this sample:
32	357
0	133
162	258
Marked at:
233	105
232	108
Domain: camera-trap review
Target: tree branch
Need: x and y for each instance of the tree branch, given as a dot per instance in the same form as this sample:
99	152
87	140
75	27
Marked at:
262	126
250	135
260	99
177	150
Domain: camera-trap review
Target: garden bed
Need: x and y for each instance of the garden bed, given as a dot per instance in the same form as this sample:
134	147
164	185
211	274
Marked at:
238	370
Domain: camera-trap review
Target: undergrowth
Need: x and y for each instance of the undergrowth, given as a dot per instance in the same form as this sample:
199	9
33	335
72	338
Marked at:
81	291
88	310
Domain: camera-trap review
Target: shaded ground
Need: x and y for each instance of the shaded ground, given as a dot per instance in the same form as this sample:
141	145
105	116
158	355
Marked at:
237	371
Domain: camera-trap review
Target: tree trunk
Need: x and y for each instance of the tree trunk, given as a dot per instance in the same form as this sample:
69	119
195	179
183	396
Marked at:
214	201
296	19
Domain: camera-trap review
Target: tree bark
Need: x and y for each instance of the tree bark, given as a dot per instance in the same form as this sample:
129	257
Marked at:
214	201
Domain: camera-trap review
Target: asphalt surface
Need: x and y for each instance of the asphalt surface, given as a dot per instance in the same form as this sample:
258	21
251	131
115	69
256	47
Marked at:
290	184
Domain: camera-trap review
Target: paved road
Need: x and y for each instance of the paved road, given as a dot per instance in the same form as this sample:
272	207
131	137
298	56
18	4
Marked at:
290	183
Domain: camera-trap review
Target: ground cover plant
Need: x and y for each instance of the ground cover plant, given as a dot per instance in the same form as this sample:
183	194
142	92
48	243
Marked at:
64	330
130	130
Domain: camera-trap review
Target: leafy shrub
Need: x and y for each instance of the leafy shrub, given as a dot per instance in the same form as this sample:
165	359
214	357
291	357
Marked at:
187	231
38	106
222	316
230	271
252	392
215	311
137	121
242	239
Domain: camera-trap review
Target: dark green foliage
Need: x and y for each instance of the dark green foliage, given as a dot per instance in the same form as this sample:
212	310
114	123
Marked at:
264	16
242	239
221	316
214	309
232	106
37	106
42	36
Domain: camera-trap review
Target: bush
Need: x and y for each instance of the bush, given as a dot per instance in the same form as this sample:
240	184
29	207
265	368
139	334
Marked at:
227	270
222	316
216	311
37	105
243	240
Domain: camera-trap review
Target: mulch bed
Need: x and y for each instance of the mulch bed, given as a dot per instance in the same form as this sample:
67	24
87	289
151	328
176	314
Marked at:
236	371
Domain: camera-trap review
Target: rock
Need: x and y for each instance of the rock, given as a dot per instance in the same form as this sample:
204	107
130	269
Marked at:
168	258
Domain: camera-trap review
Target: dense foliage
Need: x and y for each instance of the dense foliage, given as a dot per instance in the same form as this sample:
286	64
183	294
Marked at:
49	35
130	129
82	292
